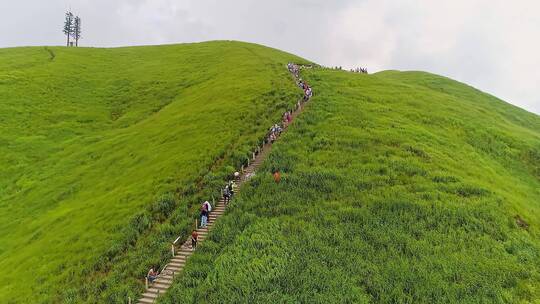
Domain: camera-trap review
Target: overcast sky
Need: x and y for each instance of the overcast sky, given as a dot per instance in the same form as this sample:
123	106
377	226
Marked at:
490	44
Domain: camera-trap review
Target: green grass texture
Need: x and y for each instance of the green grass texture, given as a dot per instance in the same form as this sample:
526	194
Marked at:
397	187
105	154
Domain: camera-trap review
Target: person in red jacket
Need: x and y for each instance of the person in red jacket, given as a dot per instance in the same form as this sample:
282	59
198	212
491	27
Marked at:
277	177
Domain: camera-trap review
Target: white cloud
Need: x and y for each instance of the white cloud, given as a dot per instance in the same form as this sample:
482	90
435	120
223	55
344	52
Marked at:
488	44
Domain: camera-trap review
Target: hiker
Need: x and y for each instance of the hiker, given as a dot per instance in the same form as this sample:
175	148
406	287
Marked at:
232	185
309	93
273	129
277	129
194	237
204	216
152	275
273	134
226	195
207	205
272	138
277	177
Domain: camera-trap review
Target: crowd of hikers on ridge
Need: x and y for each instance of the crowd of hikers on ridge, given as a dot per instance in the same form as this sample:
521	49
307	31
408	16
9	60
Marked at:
359	70
355	70
229	189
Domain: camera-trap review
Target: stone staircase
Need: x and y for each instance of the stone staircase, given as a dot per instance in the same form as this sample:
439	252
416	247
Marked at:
180	256
178	261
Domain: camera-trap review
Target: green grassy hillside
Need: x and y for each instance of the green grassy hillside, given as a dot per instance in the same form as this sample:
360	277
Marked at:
397	187
103	152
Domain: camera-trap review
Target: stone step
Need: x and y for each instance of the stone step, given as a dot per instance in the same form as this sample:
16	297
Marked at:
155	290
167	277
150	295
146	300
177	262
175	268
163	281
160	285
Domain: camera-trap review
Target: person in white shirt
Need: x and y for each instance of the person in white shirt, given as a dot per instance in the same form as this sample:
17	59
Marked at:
208	206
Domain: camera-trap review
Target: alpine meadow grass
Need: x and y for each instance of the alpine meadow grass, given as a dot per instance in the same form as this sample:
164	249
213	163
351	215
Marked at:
397	187
106	153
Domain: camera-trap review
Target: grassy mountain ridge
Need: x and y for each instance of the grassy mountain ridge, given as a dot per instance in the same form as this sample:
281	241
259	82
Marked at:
397	187
102	145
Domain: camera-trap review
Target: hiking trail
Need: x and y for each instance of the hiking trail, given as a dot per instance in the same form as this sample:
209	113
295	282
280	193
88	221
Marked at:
181	253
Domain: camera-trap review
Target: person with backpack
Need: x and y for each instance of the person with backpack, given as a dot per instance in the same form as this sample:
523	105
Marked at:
194	237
